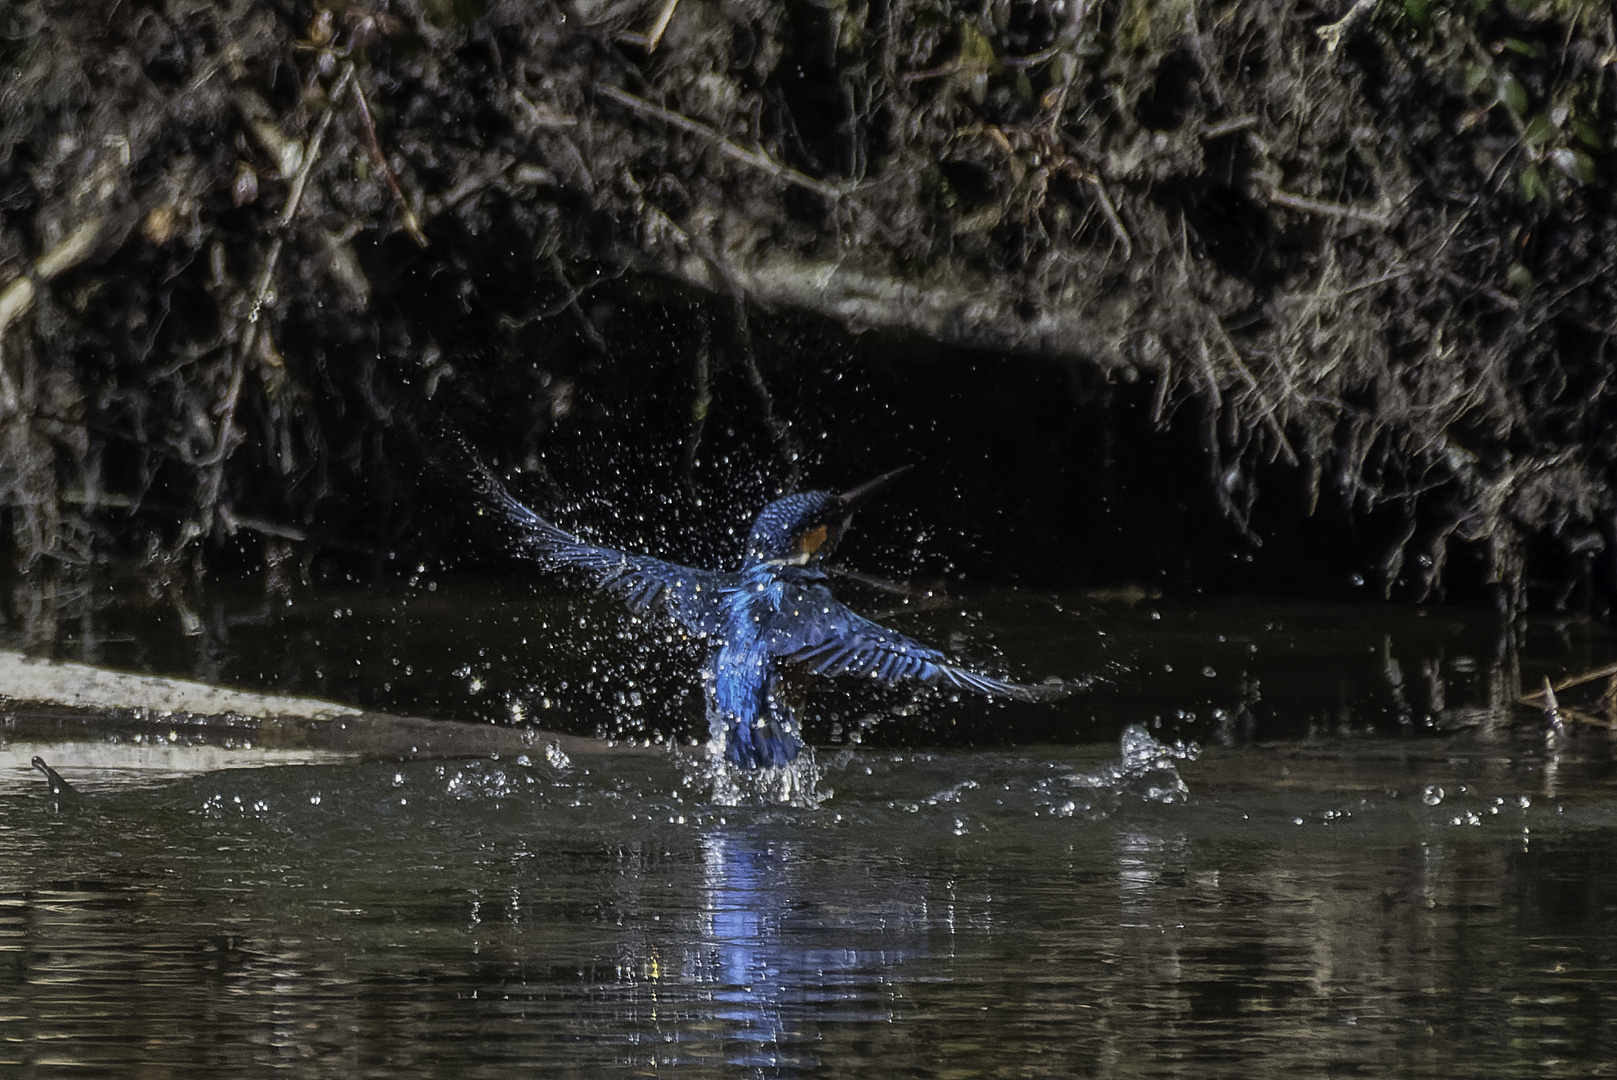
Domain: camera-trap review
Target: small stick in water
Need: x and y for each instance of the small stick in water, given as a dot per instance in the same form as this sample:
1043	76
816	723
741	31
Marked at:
59	786
1553	724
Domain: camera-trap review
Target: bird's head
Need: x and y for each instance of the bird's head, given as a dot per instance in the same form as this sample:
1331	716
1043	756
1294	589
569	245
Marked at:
803	529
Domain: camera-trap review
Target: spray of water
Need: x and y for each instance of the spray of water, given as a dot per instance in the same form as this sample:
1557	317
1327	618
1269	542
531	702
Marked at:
799	784
1146	770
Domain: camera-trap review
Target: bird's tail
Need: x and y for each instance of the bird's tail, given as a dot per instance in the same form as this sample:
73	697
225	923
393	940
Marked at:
760	745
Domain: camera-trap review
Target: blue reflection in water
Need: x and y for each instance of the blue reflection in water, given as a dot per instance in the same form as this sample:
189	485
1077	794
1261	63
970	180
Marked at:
778	968
747	890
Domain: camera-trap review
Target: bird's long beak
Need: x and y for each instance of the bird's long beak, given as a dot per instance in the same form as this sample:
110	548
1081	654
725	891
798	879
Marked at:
853	498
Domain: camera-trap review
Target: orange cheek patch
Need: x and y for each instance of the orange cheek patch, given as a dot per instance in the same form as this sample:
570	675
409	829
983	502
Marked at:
813	540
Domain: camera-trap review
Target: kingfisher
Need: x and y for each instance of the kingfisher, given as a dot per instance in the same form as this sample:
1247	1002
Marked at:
766	623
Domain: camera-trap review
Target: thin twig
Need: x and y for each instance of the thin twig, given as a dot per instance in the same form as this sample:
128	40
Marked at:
208	495
886	585
1033	59
785	441
1538	696
1391	275
1112	219
285	151
1332	35
1552	711
294	194
67	254
1305	205
542	118
1159	400
724	145
1568	713
1509	303
234	521
655	34
980	67
411	226
1555	714
19	294
940	72
570	300
1282	444
1229	127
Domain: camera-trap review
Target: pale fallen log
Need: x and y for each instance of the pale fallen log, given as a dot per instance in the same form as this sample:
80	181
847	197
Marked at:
81	686
79	716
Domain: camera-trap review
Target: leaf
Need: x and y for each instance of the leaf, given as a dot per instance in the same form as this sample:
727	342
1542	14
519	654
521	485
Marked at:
1586	166
1523	48
1539	130
1575	164
1518	278
1513	94
977	61
1533	186
1475	76
976	51
1419	13
1024	88
1587	134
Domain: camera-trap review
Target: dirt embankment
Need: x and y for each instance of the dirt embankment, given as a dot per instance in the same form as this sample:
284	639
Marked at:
1374	242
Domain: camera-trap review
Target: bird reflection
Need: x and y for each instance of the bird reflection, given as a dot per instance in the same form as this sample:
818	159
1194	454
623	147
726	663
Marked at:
776	969
747	953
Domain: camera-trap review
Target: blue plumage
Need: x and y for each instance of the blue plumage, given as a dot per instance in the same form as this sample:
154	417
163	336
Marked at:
772	617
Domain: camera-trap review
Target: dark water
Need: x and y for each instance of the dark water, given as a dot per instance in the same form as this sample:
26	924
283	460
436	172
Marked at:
1374	867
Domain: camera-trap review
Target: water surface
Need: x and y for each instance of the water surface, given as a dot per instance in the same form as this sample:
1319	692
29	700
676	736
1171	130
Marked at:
1373	867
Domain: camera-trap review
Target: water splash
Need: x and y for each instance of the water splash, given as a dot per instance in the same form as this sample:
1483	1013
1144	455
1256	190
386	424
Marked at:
1147	769
557	759
481	780
798	784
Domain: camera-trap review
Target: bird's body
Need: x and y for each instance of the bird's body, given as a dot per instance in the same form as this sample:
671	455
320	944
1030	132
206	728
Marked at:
746	699
765	623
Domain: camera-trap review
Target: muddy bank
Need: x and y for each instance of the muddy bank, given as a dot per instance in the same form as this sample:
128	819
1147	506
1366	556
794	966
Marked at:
1354	259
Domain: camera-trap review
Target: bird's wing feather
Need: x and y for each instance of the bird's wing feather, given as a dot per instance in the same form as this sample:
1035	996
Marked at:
828	639
693	597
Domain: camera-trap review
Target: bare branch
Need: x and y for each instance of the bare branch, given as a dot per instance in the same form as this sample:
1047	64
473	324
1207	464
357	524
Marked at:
724	146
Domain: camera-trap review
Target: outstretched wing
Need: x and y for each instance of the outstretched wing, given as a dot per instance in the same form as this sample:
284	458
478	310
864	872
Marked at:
692	597
829	639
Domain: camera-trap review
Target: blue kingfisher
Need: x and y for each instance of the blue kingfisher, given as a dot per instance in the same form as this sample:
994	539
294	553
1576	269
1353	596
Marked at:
772	618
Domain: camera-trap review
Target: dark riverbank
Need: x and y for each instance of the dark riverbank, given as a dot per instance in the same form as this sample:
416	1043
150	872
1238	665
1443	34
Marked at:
1137	285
